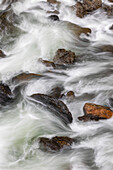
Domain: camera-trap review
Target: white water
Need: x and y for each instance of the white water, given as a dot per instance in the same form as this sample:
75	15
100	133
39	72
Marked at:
91	79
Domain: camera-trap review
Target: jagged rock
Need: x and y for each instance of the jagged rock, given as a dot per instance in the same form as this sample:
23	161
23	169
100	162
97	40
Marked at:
56	92
64	57
5	95
76	29
70	96
56	143
2	55
55	106
87	6
54	17
24	77
95	112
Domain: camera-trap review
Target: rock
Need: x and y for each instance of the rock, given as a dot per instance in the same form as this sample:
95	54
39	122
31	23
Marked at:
53	12
56	92
2	55
77	30
55	106
70	96
5	95
56	143
53	1
107	48
54	17
111	28
95	112
108	9
24	77
110	0
64	57
87	6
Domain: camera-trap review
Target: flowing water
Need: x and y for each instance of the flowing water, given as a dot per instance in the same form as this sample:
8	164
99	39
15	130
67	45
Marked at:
91	79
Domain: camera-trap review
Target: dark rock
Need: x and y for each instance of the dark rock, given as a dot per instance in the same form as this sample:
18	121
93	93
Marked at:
54	105
56	143
64	57
2	55
110	0
95	112
56	92
54	17
5	95
25	77
111	28
87	6
53	1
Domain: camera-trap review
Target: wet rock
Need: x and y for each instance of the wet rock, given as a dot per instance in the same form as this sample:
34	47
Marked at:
53	1
107	48
54	17
110	0
2	55
77	30
56	143
64	57
55	106
87	6
5	95
24	77
70	96
53	12
111	28
95	112
108	9
56	92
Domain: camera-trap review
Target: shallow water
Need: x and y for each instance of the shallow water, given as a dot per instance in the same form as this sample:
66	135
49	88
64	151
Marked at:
90	78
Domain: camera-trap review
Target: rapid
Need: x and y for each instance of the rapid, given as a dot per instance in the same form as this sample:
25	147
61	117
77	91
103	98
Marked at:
90	78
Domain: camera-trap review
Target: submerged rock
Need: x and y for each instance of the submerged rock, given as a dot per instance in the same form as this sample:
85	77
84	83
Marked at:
56	143
87	6
24	77
56	92
106	48
76	29
95	112
2	55
5	95
64	57
70	96
55	106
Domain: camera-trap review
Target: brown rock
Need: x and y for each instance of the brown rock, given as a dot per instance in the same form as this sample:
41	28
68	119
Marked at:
107	48
108	9
87	6
55	106
23	77
53	1
56	143
111	28
77	30
2	55
64	57
53	12
95	112
110	0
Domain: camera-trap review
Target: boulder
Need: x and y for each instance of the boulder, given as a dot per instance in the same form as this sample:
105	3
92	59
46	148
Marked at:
56	143
64	57
95	112
87	6
5	95
55	106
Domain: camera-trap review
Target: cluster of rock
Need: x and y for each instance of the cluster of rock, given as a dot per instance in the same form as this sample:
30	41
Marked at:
62	59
